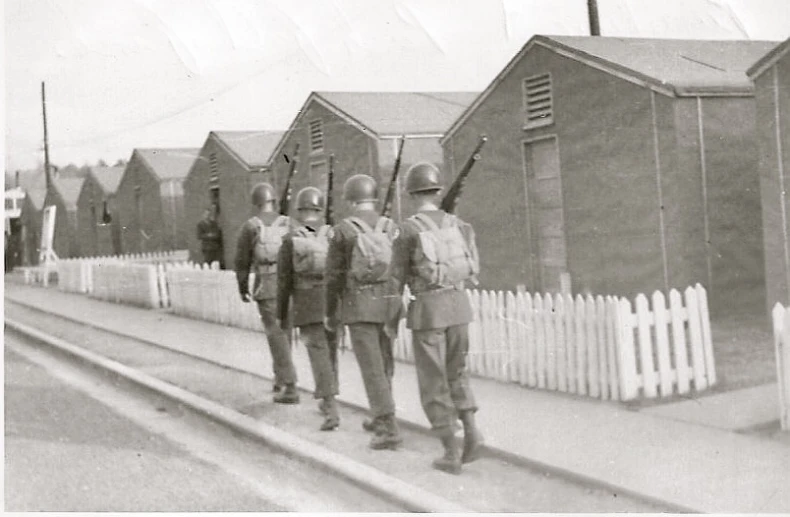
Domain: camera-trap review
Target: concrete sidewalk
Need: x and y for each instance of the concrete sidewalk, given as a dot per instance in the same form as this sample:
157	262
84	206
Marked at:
674	463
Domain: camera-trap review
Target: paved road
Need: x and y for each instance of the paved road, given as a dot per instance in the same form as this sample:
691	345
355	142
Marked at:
66	450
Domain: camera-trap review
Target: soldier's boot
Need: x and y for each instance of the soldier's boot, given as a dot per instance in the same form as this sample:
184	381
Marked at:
323	407
451	461
289	395
473	439
369	425
387	434
332	415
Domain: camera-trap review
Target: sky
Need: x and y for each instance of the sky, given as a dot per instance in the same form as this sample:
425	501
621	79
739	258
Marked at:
125	74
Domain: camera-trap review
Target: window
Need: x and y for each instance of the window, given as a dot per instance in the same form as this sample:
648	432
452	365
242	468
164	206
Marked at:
538	102
316	135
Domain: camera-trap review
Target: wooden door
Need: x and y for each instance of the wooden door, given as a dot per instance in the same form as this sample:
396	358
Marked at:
545	213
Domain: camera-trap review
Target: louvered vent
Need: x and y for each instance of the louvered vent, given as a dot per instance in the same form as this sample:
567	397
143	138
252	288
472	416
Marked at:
213	164
538	102
316	135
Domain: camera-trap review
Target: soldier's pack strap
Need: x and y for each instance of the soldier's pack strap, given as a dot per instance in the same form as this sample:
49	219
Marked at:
382	225
426	224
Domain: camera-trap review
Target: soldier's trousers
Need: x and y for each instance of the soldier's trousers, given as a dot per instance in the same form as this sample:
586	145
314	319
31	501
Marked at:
440	358
280	348
324	374
373	350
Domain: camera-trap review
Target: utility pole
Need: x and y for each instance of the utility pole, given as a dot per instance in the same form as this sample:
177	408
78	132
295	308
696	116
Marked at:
46	140
592	9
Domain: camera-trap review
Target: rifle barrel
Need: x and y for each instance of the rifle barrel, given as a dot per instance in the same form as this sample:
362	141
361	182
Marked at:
387	206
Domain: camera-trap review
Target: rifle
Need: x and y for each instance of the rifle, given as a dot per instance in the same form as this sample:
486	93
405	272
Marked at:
450	199
330	180
285	200
332	336
387	206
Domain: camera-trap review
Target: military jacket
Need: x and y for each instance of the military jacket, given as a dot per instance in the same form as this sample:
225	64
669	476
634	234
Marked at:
265	286
433	309
308	304
353	303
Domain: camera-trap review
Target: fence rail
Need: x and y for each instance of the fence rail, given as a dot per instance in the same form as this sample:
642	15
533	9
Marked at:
781	324
601	347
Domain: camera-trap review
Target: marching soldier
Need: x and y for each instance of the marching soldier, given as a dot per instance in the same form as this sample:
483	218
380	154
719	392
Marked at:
434	255
300	277
258	247
359	283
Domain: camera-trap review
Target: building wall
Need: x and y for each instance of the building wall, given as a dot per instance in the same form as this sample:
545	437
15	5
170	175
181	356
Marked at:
734	212
91	196
355	153
604	134
772	94
31	229
196	197
174	231
150	219
632	186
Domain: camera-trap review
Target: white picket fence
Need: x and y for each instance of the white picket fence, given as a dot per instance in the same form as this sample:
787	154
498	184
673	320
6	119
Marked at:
75	275
135	284
597	347
781	324
601	347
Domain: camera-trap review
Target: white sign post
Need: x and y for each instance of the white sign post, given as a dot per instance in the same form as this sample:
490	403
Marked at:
47	258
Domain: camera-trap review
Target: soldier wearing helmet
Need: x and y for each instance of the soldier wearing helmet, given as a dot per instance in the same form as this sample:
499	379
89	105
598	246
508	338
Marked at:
300	280
359	285
257	248
439	312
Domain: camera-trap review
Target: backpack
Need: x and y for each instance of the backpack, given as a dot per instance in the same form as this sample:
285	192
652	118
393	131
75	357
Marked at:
310	250
442	257
371	255
268	240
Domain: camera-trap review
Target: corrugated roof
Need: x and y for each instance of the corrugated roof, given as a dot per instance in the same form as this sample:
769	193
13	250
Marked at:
37	196
396	113
688	66
673	67
769	59
69	189
108	177
254	148
30	179
169	163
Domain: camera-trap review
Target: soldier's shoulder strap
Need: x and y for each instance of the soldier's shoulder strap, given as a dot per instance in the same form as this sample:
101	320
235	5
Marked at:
423	222
358	224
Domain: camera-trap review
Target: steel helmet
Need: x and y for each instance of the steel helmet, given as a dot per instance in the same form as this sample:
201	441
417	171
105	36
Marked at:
423	177
309	198
359	188
262	193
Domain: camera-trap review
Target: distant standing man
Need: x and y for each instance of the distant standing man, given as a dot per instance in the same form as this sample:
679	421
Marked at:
257	250
300	279
434	255
209	234
359	281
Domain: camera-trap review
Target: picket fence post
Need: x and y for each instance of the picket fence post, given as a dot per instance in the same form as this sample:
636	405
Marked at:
781	327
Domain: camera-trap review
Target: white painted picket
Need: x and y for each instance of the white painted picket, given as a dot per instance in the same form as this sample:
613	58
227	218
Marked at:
781	324
135	284
599	347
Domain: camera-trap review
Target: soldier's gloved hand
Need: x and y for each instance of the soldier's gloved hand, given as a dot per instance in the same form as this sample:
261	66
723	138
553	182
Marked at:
245	297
